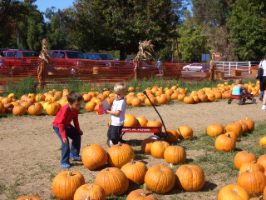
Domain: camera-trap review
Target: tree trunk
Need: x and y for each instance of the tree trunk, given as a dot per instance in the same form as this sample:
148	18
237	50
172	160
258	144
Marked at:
122	53
178	61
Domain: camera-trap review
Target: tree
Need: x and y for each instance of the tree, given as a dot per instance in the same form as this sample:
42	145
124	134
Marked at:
247	23
120	25
192	43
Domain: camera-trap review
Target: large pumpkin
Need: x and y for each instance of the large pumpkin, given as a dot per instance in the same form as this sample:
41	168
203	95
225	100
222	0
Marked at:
233	192
253	166
136	102
91	190
19	110
141	194
135	171
253	182
190	178
66	183
158	148
52	109
130	120
175	155
146	145
215	129
188	100
185	132
93	156
160	179
225	143
35	109
120	154
243	157
113	181
231	134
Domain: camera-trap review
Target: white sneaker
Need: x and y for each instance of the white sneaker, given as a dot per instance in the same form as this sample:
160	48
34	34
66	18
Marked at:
263	107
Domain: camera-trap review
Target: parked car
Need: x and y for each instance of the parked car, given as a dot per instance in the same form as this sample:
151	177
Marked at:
101	59
67	61
202	67
18	61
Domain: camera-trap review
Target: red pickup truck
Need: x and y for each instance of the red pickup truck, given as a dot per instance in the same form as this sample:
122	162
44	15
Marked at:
67	61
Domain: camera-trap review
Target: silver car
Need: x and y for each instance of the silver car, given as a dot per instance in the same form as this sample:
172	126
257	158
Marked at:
201	67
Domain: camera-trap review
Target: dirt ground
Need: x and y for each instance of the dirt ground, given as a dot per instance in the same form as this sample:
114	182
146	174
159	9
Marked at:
30	148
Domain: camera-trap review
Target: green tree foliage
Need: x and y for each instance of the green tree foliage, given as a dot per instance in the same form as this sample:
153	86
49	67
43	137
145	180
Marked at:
120	25
247	23
192	43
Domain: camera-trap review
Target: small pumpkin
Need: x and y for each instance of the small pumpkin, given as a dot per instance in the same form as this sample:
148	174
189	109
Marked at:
2	108
154	124
29	198
173	136
263	142
188	100
141	194
158	148
262	161
243	157
160	179
113	181
146	145
141	121
35	109
93	156
231	134
236	127
190	178
66	183
175	155
214	130
19	110
135	171
233	192
130	120
225	143
135	102
250	124
91	190
253	166
52	109
185	132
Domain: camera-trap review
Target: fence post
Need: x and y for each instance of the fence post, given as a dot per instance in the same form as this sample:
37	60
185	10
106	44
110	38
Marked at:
249	67
229	68
236	65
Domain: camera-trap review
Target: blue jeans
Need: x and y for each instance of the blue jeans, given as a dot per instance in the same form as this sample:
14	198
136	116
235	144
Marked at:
73	134
261	94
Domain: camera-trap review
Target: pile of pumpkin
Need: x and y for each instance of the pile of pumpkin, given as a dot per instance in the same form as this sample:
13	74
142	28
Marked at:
251	180
123	170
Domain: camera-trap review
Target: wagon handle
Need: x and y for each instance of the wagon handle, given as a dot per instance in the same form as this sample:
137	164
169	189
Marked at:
144	92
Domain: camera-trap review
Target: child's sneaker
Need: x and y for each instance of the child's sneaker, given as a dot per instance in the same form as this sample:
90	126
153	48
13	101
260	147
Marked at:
75	158
66	166
263	107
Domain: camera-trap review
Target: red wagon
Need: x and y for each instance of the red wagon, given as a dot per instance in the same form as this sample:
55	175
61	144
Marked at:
242	98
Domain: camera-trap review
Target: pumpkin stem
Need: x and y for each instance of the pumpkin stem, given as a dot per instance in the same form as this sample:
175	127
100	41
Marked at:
132	161
70	173
90	187
234	191
107	169
119	144
171	165
144	190
88	197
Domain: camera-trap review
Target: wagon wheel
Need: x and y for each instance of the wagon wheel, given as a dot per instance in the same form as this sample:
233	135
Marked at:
155	137
229	101
253	100
109	142
241	102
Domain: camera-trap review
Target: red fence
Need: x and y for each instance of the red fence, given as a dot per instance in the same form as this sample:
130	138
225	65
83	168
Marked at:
61	70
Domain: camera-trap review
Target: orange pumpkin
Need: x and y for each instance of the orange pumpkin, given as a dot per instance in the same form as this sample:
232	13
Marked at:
130	120
215	129
29	198
175	155
135	102
154	124
135	171
173	136
253	166
113	181
250	124
188	100
150	102
90	106
233	192
140	194
262	161
236	127
35	109
52	109
225	143
91	190
162	99
185	132
243	157
158	148
263	142
190	178
2	108
19	110
160	179
141	121
231	134
146	145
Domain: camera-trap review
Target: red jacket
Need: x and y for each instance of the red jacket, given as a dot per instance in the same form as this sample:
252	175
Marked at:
64	117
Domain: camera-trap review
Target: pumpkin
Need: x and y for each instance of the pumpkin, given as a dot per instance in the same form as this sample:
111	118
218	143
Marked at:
258	198
6	100
87	97
130	120
120	154
140	194
90	106
29	198
150	102
173	136
231	134
158	148
8	107
243	157
154	124
52	109
262	161
181	97
253	182
188	100
93	156
174	95
196	98
39	97
35	109
162	99
233	192
66	183
175	155
19	110
113	181
253	166
190	178
250	124
91	190
26	104
203	97
225	143
215	129
135	171
160	179
244	126
2	108
236	127
211	97
146	145
185	132
141	121
136	102
263	142
182	91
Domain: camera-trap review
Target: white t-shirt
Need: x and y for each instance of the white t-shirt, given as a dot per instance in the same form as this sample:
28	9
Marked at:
121	106
263	66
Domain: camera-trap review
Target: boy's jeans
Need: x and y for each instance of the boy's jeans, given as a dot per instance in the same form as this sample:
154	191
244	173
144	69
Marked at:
261	94
73	134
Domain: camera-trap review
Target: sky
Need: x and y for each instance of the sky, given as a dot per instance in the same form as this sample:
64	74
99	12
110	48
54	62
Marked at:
58	4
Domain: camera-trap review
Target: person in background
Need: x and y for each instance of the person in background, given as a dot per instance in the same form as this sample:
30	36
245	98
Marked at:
159	66
117	114
239	88
2	61
65	130
262	76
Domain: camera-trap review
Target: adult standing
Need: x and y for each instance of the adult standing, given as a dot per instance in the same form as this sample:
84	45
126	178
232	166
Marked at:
263	82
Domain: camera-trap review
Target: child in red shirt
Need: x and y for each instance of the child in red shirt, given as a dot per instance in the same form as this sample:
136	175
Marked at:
65	130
